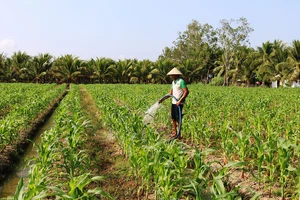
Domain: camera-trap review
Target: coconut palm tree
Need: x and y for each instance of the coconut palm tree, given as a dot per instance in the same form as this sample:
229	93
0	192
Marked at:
192	70
86	75
279	57
162	67
237	72
103	69
220	66
40	67
294	60
2	67
8	74
123	70
249	68
67	68
141	71
20	62
266	70
82	76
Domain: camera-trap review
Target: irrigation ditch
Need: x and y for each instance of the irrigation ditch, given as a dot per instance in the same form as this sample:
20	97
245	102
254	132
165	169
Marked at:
106	156
14	157
9	185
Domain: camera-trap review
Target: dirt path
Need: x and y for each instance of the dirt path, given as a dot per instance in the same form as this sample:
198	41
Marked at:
106	155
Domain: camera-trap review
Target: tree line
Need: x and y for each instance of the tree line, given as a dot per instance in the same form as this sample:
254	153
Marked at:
219	56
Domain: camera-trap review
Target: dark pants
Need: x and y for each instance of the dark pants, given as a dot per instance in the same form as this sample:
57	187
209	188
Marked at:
175	112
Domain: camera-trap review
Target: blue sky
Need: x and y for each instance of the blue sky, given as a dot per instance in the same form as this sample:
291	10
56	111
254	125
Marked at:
139	29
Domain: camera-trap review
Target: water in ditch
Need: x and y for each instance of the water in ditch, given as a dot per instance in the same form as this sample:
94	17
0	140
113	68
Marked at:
9	186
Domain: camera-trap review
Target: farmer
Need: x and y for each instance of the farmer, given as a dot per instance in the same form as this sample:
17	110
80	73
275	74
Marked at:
180	91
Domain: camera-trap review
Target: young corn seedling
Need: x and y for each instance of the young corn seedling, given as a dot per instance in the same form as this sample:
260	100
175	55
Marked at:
270	164
77	190
242	147
284	155
260	149
217	189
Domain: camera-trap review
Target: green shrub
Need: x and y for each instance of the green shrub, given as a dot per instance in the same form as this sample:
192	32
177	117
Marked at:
217	81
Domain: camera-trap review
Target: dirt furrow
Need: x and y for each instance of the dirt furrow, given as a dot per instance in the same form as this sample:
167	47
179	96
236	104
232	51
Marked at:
107	157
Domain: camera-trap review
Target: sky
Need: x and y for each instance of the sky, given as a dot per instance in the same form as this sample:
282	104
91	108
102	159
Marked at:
128	29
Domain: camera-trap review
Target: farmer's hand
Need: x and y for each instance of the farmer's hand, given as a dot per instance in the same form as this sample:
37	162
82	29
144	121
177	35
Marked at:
178	102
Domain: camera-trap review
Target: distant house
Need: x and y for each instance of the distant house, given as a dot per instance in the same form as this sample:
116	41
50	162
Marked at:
274	84
296	84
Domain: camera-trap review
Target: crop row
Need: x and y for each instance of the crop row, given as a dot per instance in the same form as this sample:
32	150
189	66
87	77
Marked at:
25	102
61	169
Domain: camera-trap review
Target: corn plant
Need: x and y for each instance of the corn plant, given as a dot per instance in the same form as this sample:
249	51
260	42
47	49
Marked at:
242	147
201	174
270	165
217	189
297	181
285	154
77	188
20	193
260	149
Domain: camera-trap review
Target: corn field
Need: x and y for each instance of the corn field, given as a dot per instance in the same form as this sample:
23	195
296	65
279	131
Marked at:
240	130
255	130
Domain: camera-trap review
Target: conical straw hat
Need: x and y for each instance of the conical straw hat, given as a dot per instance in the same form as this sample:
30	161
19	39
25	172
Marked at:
174	71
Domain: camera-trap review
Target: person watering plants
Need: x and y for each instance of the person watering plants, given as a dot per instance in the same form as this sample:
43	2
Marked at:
180	91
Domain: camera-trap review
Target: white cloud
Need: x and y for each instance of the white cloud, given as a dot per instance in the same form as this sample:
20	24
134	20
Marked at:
7	45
